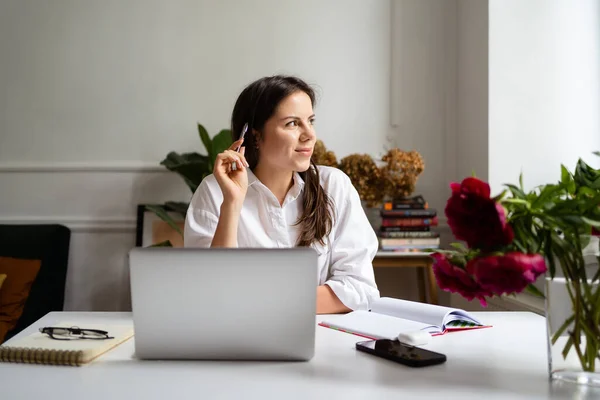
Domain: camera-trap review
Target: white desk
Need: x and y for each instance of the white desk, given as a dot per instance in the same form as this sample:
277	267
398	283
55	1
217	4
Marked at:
485	364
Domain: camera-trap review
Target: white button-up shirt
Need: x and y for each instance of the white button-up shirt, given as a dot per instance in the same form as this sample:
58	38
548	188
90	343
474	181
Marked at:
345	261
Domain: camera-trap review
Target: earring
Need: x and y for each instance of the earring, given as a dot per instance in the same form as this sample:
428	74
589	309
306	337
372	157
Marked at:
256	141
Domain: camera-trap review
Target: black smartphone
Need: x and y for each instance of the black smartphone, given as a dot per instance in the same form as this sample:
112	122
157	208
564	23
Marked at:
402	353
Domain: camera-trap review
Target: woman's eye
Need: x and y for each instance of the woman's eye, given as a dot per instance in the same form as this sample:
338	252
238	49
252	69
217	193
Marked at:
292	123
312	121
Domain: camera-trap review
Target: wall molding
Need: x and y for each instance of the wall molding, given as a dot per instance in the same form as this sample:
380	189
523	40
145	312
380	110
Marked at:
79	224
104	224
83	167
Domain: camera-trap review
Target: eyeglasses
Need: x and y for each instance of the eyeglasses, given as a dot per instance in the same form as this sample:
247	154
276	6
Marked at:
74	333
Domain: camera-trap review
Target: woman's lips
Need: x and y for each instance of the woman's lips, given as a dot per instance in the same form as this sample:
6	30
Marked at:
305	152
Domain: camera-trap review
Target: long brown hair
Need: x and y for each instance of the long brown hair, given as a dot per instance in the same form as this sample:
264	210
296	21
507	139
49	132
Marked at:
254	106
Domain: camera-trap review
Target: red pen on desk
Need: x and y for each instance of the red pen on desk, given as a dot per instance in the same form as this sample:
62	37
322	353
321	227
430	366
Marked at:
342	330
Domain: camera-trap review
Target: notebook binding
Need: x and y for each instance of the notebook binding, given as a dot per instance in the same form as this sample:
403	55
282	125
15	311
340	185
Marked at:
41	356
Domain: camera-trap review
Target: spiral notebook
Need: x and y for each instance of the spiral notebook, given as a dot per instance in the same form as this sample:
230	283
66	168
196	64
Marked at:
39	348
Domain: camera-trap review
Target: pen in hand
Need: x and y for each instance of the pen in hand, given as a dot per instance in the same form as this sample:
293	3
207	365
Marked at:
233	164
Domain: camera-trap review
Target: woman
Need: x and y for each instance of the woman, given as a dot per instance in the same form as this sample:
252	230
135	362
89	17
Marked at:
271	194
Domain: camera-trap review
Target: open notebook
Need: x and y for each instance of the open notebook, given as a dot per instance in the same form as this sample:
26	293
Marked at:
389	317
39	348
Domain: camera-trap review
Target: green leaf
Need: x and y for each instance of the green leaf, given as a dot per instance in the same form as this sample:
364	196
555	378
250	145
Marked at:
596	153
591	222
586	191
591	206
521	181
596	184
547	197
221	142
517	201
567	180
205	138
499	197
192	167
531	289
586	176
585	240
550	254
516	192
562	328
165	243
565	175
178	207
161	213
460	247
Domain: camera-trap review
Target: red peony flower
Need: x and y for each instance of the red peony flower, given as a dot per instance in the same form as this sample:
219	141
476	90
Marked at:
509	273
475	217
472	185
452	278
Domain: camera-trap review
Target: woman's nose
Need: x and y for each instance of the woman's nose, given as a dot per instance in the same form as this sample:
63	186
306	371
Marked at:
308	133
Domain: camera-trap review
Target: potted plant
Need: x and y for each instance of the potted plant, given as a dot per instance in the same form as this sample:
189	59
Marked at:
193	168
518	236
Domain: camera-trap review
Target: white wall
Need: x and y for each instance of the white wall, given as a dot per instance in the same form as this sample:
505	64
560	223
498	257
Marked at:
440	89
126	81
471	145
544	83
94	94
423	91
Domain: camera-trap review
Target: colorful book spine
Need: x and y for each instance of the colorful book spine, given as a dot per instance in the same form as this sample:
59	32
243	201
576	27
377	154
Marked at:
409	213
424	228
414	202
412	222
408	234
406	249
410	242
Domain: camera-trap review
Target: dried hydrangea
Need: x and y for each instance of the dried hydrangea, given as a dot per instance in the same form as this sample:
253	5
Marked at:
321	156
401	171
365	176
397	178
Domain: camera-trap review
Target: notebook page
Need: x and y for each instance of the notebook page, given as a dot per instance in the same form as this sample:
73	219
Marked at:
376	326
91	348
426	313
459	316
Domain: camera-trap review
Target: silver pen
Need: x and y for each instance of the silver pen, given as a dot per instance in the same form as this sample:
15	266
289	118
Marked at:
244	130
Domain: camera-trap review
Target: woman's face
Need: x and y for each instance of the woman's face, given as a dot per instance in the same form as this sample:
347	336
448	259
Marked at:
288	137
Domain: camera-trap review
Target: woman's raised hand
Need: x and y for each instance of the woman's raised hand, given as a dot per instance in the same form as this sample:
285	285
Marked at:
233	181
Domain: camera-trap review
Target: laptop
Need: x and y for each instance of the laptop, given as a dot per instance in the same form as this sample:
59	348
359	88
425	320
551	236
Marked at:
224	304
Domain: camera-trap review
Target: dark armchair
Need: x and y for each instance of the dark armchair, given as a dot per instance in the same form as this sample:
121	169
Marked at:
50	244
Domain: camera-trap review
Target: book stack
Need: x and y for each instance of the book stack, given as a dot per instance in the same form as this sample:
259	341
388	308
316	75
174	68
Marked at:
406	225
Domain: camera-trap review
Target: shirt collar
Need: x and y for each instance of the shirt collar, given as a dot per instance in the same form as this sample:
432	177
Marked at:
252	179
294	191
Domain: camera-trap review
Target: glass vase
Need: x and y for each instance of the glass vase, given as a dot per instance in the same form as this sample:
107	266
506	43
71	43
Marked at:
573	322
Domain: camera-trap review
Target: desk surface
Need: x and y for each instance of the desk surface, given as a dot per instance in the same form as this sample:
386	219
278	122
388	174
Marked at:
492	363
